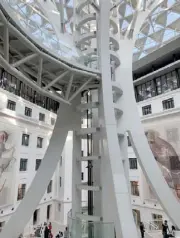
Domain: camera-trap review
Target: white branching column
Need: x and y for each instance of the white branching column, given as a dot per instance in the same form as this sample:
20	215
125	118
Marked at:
67	119
116	204
128	105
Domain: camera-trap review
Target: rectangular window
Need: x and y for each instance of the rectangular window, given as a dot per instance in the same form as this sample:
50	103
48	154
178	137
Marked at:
49	188
146	110
41	116
167	104
129	142
36	216
59	207
134	188
28	112
2	224
82	176
23	165
60	181
157	220
25	139
49	208
38	163
11	105
39	142
133	163
52	121
61	161
21	191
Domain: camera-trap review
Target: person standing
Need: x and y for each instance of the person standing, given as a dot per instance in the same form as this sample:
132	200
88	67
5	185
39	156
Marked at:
50	230
46	232
172	234
165	229
66	233
142	229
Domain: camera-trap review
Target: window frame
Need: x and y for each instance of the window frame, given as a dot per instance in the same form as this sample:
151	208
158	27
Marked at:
168	103
49	188
24	143
133	164
39	144
48	213
37	165
11	105
146	110
21	191
23	160
135	188
41	117
28	111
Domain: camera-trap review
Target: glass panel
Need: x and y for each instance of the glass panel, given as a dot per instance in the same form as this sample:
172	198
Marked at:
139	93
174	80
164	84
144	91
169	82
150	91
32	20
158	86
81	229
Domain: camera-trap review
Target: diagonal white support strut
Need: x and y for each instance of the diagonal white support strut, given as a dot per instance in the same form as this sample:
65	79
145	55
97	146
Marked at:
56	80
23	60
69	87
39	78
80	89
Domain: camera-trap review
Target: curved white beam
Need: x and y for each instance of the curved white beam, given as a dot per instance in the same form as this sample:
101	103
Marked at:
66	119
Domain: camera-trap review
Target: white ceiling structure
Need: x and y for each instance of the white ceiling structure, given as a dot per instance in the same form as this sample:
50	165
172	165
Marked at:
162	26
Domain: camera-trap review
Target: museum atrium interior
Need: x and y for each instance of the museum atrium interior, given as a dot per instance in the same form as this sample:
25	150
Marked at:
89	118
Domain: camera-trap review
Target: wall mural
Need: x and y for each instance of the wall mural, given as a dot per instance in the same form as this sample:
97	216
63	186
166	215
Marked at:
164	140
6	167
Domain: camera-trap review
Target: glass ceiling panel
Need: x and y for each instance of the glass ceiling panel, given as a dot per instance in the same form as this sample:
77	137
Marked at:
161	27
28	14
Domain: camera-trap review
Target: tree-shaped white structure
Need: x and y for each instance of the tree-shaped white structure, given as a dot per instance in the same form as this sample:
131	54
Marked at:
97	34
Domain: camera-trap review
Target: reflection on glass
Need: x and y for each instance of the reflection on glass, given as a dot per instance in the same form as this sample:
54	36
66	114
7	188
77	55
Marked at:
157	86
